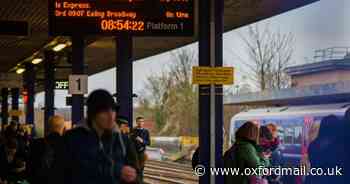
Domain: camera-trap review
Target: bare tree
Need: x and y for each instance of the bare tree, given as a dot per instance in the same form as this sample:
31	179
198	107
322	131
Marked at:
269	54
173	98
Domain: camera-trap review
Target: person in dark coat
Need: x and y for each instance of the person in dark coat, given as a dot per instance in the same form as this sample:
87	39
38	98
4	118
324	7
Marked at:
12	164
11	130
93	152
345	143
326	151
43	159
142	137
8	152
129	143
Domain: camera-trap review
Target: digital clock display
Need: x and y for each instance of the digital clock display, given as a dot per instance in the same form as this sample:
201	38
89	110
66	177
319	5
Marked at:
111	17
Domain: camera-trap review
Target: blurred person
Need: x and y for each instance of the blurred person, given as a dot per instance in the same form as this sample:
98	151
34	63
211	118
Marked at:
268	143
8	152
142	138
245	154
274	132
327	151
346	141
43	160
12	165
23	140
123	125
11	130
18	171
93	152
265	139
195	158
129	141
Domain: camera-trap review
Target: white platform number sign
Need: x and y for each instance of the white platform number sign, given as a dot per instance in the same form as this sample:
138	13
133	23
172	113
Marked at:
78	84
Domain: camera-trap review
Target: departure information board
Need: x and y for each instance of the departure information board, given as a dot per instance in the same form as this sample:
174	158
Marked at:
110	17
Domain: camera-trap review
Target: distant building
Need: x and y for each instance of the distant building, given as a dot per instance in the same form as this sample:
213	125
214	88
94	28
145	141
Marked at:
332	65
326	80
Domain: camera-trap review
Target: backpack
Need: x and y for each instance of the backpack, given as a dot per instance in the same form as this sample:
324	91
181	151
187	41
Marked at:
229	157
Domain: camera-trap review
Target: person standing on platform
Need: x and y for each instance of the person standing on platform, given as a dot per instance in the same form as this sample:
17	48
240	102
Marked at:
328	151
8	153
43	160
142	138
129	142
93	152
246	153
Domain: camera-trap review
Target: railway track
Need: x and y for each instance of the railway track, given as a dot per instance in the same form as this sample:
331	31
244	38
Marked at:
159	172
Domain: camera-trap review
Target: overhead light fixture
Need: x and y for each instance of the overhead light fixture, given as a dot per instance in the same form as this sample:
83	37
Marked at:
59	47
37	60
20	70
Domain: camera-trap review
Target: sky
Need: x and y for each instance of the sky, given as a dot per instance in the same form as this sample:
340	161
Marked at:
316	26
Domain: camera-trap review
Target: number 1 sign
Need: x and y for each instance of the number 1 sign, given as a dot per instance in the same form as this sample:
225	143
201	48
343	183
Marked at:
78	84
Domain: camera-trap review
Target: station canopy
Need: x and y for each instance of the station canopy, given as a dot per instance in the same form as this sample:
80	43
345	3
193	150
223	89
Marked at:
100	51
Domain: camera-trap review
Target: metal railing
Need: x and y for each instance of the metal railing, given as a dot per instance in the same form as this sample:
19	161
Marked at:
332	53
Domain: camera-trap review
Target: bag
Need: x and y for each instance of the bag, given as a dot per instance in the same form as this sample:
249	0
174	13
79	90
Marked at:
229	157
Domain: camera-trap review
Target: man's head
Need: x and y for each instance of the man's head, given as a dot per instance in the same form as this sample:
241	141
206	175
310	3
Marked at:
101	110
273	129
56	124
123	124
140	121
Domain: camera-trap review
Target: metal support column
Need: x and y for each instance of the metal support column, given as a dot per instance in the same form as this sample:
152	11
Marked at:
210	96
124	76
204	90
29	88
4	106
217	61
49	87
77	68
14	102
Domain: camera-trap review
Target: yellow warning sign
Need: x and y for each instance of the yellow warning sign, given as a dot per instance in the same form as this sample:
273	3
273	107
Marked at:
212	75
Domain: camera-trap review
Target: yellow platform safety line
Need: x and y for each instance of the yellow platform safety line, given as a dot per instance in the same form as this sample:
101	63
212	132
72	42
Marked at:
189	140
184	140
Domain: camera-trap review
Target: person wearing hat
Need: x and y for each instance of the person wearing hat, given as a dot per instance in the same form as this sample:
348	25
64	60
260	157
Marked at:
129	142
123	125
93	152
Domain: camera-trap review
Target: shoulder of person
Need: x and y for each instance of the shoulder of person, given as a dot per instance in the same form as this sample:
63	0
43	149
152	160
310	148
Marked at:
247	146
37	142
75	134
76	131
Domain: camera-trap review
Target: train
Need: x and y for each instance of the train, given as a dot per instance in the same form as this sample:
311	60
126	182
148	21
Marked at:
297	126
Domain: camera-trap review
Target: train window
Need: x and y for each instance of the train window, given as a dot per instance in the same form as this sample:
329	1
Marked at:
291	134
